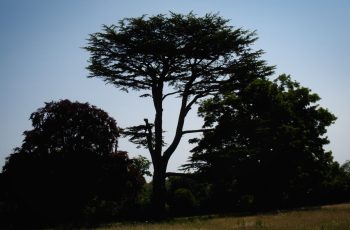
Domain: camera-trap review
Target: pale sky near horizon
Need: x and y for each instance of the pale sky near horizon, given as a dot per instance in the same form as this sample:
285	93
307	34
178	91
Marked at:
41	59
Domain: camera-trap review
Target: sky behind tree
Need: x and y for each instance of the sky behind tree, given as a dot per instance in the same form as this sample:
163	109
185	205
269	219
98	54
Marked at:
41	59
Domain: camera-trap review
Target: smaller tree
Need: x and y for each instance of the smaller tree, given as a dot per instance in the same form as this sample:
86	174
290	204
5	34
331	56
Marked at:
142	164
346	168
68	165
340	183
187	195
267	144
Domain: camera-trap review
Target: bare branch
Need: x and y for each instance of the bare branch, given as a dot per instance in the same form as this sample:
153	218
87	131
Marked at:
169	94
194	100
196	131
200	94
181	120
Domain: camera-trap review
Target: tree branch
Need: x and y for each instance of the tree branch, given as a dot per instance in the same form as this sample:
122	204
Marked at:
169	94
198	96
196	131
181	120
149	137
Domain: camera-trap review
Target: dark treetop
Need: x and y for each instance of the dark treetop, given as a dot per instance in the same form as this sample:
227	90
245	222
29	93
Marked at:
176	55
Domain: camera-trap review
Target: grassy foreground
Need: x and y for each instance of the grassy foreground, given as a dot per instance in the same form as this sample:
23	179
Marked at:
325	217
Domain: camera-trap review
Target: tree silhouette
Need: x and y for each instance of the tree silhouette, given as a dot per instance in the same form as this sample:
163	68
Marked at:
176	55
267	143
68	166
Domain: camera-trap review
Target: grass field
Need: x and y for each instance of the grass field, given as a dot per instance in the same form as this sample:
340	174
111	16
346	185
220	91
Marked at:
323	218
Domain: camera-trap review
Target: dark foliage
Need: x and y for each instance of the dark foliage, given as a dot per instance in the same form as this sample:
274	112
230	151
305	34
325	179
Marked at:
142	164
187	196
266	150
68	168
176	55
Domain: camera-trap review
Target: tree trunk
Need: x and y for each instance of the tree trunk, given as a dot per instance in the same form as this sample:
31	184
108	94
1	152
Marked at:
159	162
159	190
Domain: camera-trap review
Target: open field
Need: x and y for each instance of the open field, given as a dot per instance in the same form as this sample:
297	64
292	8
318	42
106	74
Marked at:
323	218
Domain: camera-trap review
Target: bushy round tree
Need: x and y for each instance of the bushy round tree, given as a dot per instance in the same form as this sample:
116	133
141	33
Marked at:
267	144
68	166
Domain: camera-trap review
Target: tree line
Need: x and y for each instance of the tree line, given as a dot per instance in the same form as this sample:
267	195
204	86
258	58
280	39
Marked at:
261	145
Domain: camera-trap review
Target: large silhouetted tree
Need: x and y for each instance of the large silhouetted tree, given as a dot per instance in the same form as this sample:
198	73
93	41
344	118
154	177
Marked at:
176	55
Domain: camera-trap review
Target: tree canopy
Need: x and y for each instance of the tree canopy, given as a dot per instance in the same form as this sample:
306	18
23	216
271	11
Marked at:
176	55
66	126
267	142
68	167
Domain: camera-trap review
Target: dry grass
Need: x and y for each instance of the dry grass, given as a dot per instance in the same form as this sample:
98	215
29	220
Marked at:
325	218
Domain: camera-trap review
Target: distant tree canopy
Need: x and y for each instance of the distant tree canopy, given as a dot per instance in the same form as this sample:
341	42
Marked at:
176	55
142	164
267	144
66	126
68	166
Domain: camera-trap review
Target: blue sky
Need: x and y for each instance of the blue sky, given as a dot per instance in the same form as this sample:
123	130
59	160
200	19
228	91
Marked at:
41	58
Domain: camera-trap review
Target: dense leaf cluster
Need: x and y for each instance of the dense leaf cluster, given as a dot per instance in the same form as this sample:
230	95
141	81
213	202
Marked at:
141	53
68	168
267	144
71	127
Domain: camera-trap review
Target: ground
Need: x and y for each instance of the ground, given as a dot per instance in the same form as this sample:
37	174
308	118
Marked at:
325	217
